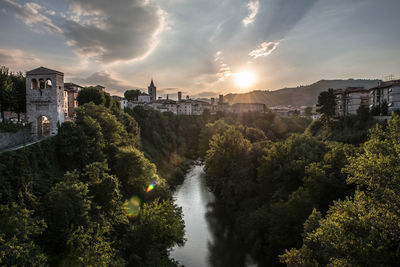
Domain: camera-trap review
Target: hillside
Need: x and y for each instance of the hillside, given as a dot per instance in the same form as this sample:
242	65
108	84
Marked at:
297	96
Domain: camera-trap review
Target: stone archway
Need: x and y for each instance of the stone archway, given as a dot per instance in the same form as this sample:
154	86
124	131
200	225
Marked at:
43	126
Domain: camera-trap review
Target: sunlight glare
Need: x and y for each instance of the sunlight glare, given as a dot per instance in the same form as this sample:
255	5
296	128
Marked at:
245	79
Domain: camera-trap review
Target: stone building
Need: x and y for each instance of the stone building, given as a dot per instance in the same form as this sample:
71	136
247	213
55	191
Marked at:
44	101
71	91
152	90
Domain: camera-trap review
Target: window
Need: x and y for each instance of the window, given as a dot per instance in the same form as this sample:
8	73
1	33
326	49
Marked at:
41	84
34	84
49	84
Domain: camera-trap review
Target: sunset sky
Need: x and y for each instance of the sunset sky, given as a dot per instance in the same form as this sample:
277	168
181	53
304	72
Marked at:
200	46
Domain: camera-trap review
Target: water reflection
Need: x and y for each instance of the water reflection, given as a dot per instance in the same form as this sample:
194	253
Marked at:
211	239
225	249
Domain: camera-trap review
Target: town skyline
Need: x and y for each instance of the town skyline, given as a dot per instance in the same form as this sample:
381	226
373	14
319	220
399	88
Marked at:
274	44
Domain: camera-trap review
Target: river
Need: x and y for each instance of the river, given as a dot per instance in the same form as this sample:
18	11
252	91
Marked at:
211	240
194	198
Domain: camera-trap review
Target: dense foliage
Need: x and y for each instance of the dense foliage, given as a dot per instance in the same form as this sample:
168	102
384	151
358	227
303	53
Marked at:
326	104
80	198
268	189
352	129
362	229
12	92
132	95
332	203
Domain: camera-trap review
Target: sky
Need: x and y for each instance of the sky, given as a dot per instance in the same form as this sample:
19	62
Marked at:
202	47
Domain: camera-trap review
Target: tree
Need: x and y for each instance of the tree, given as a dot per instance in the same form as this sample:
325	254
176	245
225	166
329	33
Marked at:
308	111
132	95
361	230
19	93
18	232
6	91
384	108
327	104
91	94
158	228
65	208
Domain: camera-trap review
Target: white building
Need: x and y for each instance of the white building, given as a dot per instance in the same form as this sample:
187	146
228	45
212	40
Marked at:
387	93
144	98
184	107
124	104
348	101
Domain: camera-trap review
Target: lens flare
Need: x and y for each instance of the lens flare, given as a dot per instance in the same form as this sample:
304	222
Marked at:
131	207
151	186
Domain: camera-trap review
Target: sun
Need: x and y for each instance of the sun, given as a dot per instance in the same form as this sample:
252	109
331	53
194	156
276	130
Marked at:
245	79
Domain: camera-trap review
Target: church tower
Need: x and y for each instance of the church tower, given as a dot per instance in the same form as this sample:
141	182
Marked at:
44	101
152	90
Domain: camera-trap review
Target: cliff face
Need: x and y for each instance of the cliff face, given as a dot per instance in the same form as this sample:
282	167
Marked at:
297	96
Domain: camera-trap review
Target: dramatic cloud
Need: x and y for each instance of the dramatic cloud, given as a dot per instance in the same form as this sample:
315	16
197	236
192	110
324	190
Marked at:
104	78
264	49
253	10
17	59
110	32
32	14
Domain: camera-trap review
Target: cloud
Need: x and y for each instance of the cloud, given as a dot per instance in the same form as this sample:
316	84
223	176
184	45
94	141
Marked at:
17	59
264	49
32	14
106	79
112	32
253	10
223	69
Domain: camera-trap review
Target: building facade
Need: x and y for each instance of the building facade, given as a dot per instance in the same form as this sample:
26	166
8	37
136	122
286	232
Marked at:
349	100
44	101
144	98
387	93
71	91
152	91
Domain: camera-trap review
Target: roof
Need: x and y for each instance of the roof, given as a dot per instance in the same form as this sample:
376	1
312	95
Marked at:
350	90
338	91
355	90
43	70
387	84
72	85
151	83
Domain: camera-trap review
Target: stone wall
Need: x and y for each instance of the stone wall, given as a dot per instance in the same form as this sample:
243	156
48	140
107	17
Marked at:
8	140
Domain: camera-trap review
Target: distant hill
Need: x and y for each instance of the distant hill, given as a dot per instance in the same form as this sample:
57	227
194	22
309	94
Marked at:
298	96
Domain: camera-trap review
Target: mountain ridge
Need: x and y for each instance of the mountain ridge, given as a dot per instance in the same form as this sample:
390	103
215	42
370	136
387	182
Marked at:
304	95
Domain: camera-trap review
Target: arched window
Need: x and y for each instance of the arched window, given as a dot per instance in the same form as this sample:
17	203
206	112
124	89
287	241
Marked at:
41	84
49	84
34	84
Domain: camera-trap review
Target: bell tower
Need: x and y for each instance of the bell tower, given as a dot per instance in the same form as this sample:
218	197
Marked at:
152	90
44	101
